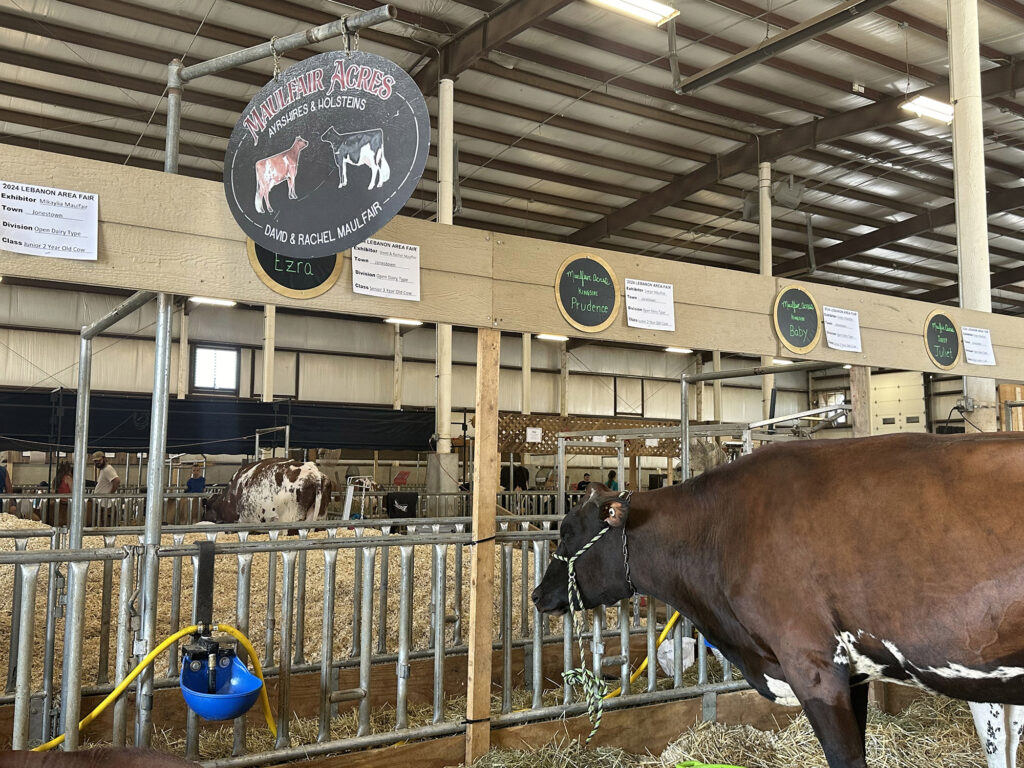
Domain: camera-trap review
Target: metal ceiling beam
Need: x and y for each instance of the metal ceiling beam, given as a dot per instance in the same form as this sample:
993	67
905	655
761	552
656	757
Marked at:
767	49
779	144
999	201
482	37
1002	279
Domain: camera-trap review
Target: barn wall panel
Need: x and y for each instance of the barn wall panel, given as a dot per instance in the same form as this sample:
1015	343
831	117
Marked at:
331	378
285	364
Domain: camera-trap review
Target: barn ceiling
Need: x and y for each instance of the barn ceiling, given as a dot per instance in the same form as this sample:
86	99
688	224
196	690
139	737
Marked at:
568	128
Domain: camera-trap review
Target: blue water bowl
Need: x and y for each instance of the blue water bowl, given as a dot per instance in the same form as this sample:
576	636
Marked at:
237	691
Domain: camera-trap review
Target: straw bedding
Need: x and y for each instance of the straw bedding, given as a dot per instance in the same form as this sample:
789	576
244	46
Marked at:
934	732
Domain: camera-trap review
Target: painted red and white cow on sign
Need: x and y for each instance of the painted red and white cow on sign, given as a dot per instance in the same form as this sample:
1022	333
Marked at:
271	171
816	566
271	491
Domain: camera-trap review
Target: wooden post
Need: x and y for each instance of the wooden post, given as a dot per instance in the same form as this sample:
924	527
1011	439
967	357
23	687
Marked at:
563	379
634	473
860	398
481	583
396	386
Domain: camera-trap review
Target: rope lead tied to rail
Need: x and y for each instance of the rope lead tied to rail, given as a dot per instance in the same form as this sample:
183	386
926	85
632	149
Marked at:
593	688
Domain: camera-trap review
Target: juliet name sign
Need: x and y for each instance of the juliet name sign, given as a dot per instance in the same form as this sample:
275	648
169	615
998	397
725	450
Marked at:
942	339
327	154
797	319
295	278
587	292
42	221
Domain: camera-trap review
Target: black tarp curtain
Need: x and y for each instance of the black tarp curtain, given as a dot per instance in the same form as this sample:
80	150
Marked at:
46	421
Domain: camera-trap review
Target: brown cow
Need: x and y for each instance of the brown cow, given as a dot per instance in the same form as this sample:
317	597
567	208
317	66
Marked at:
817	566
270	491
101	757
271	171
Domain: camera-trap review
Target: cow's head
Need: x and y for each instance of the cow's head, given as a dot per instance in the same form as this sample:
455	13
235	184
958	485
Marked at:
600	574
330	135
217	510
300	143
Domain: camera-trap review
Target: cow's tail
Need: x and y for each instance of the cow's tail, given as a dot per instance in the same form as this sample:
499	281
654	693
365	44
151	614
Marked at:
382	165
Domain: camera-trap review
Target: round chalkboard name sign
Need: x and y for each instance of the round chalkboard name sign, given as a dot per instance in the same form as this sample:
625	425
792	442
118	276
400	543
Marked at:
295	278
326	154
942	339
587	292
797	319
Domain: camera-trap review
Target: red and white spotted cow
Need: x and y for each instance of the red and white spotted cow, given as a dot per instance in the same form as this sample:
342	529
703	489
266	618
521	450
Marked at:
271	491
359	148
271	171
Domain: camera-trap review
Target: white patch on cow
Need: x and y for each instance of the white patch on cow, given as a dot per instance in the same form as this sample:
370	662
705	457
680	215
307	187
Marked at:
960	672
783	693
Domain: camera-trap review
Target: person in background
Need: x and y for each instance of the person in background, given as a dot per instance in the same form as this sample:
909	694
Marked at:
196	483
5	484
613	484
582	484
62	480
107	481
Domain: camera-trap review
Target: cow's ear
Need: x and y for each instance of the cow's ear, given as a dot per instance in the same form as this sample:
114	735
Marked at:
615	511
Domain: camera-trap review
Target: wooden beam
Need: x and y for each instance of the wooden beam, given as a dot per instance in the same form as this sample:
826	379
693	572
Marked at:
487	34
174	234
783	142
481	584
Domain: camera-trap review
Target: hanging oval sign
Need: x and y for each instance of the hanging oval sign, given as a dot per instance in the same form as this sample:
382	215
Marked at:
942	339
326	154
587	292
295	278
797	319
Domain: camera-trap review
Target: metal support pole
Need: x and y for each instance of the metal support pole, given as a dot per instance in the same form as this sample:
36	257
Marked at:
154	510
684	428
561	490
764	229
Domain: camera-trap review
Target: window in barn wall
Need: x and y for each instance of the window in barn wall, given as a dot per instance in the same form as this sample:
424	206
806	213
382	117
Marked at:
215	370
834	397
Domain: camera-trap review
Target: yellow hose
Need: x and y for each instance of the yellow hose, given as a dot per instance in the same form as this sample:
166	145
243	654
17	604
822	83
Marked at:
264	700
150	657
640	670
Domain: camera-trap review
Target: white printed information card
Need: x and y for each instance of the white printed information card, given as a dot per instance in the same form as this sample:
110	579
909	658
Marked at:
534	435
42	221
842	328
385	269
978	346
650	305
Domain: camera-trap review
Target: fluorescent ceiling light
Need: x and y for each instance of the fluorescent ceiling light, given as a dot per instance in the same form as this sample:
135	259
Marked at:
214	302
779	361
650	11
847	366
922	106
679	350
402	321
551	337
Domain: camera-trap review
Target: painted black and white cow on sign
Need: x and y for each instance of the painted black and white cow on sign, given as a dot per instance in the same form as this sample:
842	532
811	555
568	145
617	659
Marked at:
359	148
271	491
817	566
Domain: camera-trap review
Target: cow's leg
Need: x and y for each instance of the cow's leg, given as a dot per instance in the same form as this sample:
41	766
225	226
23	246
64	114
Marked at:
291	186
859	700
824	690
343	173
999	730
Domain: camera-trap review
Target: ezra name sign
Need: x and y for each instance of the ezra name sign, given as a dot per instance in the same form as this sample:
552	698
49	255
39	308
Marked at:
327	154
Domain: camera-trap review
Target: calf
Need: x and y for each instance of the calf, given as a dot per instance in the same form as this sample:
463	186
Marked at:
269	491
359	148
816	566
271	171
